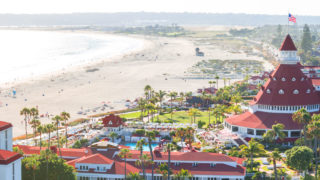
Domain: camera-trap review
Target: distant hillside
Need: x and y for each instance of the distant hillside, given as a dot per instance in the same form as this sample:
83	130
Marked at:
145	18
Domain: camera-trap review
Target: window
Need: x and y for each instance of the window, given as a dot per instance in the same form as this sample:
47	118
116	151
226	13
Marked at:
260	132
281	91
295	91
293	79
268	91
302	79
283	79
212	164
274	78
176	163
195	164
6	139
235	129
295	133
308	91
250	131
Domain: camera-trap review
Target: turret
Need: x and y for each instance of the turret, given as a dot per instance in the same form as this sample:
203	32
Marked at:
288	52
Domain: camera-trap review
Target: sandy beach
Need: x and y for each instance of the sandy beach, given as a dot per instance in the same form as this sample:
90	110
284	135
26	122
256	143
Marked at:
162	64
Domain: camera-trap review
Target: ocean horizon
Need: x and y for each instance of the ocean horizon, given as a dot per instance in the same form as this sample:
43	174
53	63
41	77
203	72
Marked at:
27	54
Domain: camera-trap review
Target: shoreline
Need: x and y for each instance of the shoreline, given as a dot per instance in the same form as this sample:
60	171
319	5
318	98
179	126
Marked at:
117	79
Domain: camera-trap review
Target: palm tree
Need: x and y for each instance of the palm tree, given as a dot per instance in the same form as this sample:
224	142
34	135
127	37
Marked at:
190	136
113	135
172	96
141	105
217	79
151	136
224	82
253	148
163	169
274	157
65	117
139	146
144	161
168	148
49	128
193	112
34	112
181	133
56	120
35	123
236	98
314	131
302	116
125	153
150	107
33	164
209	114
181	98
26	113
275	133
147	90
160	95
182	175
134	176
40	130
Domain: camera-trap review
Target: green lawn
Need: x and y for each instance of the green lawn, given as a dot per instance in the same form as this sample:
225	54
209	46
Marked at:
183	117
134	115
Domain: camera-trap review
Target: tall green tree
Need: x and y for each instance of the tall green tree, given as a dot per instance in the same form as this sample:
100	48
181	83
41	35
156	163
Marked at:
26	113
303	117
163	169
306	43
181	133
254	148
125	153
274	157
168	148
113	135
275	133
182	175
143	162
48	129
56	120
134	176
172	96
151	136
40	130
314	131
139	146
36	166
65	117
160	95
35	123
299	157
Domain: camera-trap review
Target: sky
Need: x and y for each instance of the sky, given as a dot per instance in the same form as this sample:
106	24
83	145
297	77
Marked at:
279	7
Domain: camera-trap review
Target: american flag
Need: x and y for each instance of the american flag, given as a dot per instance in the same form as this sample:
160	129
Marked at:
292	18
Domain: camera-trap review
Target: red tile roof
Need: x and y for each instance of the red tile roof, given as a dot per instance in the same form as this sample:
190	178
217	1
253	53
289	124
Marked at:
287	44
65	152
95	159
315	82
112	121
203	169
7	157
4	125
186	156
287	71
263	120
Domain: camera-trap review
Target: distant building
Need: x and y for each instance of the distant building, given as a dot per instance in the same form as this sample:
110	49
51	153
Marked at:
113	123
10	162
287	90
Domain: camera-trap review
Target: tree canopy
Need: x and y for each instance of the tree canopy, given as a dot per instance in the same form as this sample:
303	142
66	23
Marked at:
299	157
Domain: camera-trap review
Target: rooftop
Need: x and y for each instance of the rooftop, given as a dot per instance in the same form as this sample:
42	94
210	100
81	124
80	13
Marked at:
287	44
6	157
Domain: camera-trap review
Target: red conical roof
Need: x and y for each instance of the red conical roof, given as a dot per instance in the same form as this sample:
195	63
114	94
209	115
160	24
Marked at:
287	44
287	86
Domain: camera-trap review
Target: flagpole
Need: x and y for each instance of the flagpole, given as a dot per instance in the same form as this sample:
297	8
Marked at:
288	23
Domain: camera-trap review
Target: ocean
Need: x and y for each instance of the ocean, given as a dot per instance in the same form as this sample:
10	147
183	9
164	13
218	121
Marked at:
28	54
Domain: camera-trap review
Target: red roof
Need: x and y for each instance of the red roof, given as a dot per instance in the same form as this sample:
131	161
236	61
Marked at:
112	121
287	72
7	157
263	120
67	153
94	159
288	45
4	125
202	169
186	156
315	82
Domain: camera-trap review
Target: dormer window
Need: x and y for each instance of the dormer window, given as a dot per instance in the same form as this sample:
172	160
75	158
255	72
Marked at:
308	91
295	91
281	91
283	79
195	164
302	79
268	91
293	79
212	164
110	122
274	78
